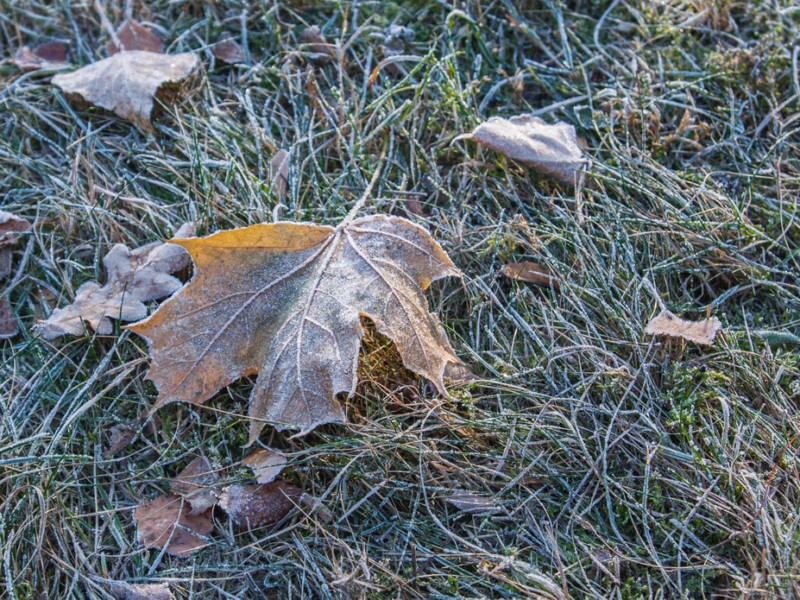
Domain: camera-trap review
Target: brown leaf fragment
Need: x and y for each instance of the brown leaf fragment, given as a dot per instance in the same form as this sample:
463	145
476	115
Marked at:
50	56
530	272
127	83
134	277
285	300
133	36
140	591
121	437
10	225
280	172
196	484
166	522
472	503
551	149
315	47
265	463
228	50
699	332
253	506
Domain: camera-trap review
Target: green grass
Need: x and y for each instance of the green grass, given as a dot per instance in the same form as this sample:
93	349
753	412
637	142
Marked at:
619	466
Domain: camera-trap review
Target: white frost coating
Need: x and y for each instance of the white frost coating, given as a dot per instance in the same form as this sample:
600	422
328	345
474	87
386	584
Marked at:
127	82
552	149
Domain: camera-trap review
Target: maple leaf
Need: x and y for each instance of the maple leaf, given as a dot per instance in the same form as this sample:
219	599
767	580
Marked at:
127	83
284	300
134	277
552	149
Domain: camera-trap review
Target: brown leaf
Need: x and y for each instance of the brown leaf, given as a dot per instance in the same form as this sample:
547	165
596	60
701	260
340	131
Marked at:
121	437
228	50
141	591
134	277
280	172
532	273
127	83
316	48
165	522
265	463
134	36
552	149
51	55
285	300
195	483
669	324
253	506
10	225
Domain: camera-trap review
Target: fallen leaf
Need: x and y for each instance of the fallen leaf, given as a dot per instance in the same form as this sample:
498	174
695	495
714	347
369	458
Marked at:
141	591
280	172
266	464
253	506
165	522
133	36
316	507
10	225
669	324
134	277
228	50
51	55
472	503
195	483
532	273
316	47
121	437
395	38
552	149
127	83
285	300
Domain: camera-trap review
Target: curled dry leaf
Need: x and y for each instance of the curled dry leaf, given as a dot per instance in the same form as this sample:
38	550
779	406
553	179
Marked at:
700	332
133	36
228	50
253	506
265	463
551	149
316	47
280	172
284	300
49	56
166	522
195	483
134	277
127	83
10	225
532	273
140	591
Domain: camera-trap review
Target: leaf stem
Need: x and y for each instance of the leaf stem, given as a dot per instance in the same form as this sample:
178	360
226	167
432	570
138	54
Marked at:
365	196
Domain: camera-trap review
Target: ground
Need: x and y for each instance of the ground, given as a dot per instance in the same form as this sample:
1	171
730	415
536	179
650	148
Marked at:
608	463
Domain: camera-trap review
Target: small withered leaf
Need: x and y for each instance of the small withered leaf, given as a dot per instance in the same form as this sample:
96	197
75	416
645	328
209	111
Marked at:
140	591
50	56
120	438
285	300
530	272
10	225
551	149
254	506
128	83
166	522
669	324
279	166
133	36
134	278
196	484
316	48
228	50
265	463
